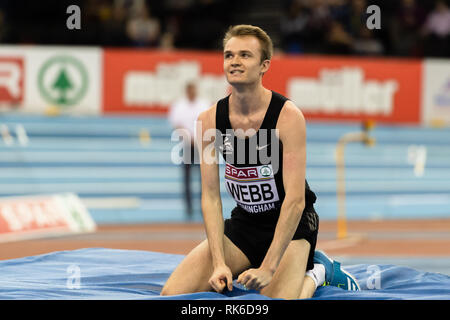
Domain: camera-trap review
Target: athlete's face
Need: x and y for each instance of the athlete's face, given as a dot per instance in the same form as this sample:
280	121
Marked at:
242	60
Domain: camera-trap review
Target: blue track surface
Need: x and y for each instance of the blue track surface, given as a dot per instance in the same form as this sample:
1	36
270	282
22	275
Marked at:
102	157
128	274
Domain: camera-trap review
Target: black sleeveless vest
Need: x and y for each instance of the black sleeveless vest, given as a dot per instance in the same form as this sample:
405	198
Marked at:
253	166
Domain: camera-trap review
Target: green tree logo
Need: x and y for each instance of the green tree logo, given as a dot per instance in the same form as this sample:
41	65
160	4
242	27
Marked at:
265	171
62	84
63	81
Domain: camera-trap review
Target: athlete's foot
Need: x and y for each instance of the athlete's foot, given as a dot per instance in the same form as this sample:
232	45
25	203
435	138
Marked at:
334	274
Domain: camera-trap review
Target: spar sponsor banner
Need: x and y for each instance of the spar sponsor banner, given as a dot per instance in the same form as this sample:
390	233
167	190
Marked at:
149	81
350	89
43	216
40	78
333	88
436	97
11	80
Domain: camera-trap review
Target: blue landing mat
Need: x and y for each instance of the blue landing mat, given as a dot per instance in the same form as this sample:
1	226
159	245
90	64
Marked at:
98	273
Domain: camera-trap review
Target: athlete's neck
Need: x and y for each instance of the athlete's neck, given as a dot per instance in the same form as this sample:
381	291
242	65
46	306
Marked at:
249	100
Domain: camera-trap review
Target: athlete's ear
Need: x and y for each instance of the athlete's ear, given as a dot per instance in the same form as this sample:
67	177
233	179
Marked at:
265	66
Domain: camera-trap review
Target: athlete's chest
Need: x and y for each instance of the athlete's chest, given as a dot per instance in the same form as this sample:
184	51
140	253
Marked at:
246	126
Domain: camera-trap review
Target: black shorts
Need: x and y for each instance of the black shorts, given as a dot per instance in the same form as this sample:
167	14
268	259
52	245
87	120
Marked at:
253	234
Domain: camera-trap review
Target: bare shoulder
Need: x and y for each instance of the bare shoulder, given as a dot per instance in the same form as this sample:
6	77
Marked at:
208	117
291	117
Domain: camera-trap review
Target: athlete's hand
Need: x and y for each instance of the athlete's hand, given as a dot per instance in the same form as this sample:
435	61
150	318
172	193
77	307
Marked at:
221	278
255	279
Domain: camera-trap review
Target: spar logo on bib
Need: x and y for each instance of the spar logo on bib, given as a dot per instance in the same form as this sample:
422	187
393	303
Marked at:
265	171
253	188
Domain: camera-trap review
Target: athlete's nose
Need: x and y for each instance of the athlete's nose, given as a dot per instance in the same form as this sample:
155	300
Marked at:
236	61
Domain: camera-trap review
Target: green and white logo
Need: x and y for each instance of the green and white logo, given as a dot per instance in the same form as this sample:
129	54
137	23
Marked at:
63	80
265	171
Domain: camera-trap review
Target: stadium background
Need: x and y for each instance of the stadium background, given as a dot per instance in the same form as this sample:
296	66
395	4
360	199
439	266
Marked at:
101	131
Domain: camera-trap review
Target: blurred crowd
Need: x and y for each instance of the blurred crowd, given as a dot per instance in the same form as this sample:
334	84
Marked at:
408	27
412	28
118	23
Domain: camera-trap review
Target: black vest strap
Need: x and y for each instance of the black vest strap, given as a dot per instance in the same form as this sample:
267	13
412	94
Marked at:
273	112
270	119
222	114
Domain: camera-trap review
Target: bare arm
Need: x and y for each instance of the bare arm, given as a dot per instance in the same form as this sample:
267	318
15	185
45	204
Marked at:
292	133
211	201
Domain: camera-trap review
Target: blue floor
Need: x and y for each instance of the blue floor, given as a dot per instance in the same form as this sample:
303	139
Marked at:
427	264
98	273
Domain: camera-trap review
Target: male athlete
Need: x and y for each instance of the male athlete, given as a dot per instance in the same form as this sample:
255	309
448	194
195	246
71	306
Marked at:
268	243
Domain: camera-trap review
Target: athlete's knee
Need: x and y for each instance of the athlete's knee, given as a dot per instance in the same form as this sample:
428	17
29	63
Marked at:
165	291
170	290
174	289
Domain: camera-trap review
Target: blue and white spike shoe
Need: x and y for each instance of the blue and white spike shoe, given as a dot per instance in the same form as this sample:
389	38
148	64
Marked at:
334	274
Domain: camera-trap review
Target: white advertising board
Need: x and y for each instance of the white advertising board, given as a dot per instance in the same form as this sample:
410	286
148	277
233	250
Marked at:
42	216
37	79
436	92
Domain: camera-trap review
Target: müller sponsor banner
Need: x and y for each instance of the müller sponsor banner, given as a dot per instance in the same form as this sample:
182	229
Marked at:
149	81
350	89
436	97
38	79
329	88
24	218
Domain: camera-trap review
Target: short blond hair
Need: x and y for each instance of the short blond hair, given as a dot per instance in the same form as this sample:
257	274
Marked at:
249	30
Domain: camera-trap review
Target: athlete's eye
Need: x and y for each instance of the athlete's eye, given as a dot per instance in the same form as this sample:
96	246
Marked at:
227	55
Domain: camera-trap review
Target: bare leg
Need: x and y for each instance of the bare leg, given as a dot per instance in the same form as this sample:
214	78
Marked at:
193	273
308	289
289	281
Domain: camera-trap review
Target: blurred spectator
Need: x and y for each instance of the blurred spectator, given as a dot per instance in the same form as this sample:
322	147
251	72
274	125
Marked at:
293	25
405	28
183	115
142	28
167	41
340	12
338	40
438	21
366	44
318	25
437	31
174	12
358	16
113	26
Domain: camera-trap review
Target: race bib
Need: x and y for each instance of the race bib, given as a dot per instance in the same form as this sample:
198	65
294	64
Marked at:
253	188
